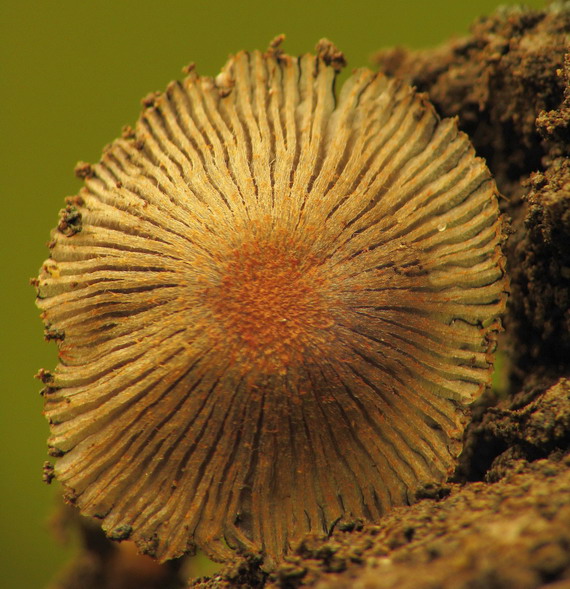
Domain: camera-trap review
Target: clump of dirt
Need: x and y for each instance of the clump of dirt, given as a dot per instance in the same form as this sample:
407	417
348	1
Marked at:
539	318
530	425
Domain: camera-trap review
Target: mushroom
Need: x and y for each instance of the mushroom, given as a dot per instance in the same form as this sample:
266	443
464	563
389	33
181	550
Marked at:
273	306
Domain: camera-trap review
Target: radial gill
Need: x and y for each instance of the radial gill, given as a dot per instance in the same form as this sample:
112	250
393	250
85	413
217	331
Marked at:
273	304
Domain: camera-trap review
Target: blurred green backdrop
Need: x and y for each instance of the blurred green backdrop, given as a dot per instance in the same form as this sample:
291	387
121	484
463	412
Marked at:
72	74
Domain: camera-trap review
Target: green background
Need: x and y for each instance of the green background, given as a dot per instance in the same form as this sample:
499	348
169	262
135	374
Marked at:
72	74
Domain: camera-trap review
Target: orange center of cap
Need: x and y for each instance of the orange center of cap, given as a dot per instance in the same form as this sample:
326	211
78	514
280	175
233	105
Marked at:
272	304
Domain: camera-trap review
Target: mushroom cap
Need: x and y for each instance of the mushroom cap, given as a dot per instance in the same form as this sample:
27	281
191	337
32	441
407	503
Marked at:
272	305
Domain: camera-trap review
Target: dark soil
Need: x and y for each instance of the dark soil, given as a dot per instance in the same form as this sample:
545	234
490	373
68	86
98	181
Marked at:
504	520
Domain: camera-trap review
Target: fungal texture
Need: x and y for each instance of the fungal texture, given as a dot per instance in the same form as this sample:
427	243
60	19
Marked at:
272	306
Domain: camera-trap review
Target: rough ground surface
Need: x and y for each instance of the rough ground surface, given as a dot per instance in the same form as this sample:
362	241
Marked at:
504	522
